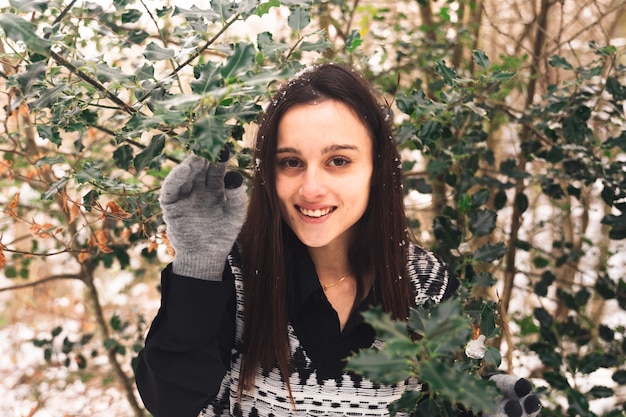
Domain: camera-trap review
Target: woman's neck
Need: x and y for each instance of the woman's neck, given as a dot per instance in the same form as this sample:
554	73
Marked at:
331	263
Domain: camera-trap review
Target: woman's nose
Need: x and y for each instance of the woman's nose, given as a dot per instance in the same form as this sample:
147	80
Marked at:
313	184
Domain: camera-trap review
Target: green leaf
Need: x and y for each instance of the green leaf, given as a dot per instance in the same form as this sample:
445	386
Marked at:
480	197
499	76
49	160
264	8
499	200
618	141
618	232
298	19
319	45
115	322
619	376
578	404
90	199
225	8
378	366
207	77
447	233
446	329
18	29
56	331
605	286
196	13
131	16
488	321
37	6
548	355
429	407
240	61
247	112
489	253
430	131
521	202
354	40
106	73
559	62
266	44
482	222
110	344
137	125
54	188
599	391
459	387
394	333
209	134
154	52
32	77
493	357
547	278
481	59
89	172
10	271
556	380
153	150
123	156
618	91
540	262
448	74
591	362
407	402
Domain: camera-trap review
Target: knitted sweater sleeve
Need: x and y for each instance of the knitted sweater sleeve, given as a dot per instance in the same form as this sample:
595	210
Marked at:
431	277
187	350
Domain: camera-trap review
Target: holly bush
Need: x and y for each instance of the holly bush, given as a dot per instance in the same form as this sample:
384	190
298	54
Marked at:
525	184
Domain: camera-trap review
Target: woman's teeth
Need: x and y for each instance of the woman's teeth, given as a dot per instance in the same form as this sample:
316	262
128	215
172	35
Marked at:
316	212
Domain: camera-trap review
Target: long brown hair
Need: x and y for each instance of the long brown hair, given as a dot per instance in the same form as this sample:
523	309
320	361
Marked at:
379	252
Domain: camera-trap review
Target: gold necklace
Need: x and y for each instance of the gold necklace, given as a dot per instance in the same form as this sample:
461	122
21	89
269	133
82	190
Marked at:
327	286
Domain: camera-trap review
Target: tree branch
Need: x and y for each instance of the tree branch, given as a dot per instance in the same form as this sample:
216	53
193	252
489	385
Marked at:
40	282
94	83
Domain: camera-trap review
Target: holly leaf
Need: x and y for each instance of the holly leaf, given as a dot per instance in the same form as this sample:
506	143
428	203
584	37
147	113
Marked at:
18	29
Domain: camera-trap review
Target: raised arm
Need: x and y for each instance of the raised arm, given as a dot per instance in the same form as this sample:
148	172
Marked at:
187	349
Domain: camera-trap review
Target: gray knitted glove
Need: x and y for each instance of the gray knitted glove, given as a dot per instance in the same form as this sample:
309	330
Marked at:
518	399
204	208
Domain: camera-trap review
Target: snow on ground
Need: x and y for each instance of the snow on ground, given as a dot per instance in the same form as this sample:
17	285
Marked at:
32	387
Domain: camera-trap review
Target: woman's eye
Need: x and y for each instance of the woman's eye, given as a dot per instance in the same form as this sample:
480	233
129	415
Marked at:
289	163
339	161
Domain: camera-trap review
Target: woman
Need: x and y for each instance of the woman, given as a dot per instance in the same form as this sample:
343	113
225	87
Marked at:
265	328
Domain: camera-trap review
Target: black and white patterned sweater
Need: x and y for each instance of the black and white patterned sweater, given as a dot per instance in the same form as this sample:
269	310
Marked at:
339	394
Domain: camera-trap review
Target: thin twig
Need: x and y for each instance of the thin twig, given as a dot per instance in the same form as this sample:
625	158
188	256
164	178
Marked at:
95	83
40	282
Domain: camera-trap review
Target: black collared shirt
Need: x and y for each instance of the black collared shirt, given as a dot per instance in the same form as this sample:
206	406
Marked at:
316	323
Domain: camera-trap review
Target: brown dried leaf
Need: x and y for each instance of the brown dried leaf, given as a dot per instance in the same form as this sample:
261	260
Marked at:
153	247
82	257
168	244
3	258
41	230
11	209
74	212
101	240
117	211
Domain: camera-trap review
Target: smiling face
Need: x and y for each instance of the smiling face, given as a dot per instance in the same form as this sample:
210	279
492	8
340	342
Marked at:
323	170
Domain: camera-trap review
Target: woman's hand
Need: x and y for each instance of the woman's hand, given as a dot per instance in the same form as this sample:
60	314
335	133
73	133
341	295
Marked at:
518	399
204	209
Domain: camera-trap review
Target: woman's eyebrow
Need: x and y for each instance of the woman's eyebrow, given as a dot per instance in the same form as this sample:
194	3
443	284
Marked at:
327	149
335	148
287	150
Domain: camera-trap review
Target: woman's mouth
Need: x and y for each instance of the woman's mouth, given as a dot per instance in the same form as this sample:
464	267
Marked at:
315	213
